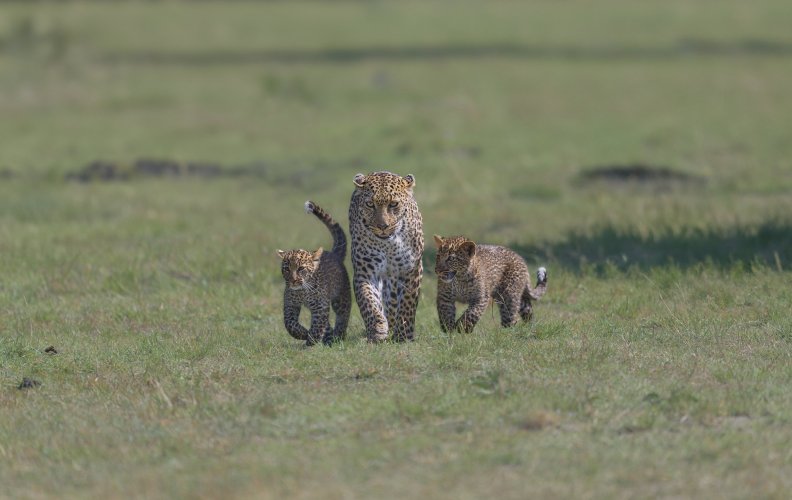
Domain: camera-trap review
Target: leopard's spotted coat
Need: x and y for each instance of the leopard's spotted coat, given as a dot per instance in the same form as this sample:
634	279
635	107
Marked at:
317	280
387	246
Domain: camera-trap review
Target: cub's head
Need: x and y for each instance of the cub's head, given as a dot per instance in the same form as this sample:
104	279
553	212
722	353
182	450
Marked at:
383	199
454	255
298	266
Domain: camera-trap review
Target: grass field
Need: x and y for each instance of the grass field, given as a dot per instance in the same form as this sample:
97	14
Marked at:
658	364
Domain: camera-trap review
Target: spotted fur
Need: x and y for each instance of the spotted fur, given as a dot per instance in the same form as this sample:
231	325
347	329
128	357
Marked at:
475	274
317	280
387	245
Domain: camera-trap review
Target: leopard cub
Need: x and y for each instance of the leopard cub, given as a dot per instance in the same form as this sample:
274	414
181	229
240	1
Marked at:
475	274
317	280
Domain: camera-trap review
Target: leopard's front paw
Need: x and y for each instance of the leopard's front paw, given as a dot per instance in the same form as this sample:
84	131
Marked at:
377	338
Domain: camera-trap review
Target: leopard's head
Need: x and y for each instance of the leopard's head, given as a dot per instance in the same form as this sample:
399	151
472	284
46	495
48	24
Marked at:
383	200
298	266
454	256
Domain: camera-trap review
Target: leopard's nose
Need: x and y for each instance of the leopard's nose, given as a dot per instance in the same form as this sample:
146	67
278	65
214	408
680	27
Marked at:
382	226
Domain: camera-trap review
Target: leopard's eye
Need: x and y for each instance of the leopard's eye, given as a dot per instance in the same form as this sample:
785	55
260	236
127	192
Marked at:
393	204
370	204
302	270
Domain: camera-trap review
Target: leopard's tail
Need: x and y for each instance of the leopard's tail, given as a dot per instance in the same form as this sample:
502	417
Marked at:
541	284
526	310
339	238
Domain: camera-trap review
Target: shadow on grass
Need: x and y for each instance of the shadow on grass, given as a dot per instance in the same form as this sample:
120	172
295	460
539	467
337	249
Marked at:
769	243
682	48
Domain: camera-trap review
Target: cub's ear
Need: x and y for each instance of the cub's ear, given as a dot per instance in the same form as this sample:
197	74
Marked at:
469	248
281	254
409	180
317	254
359	180
438	240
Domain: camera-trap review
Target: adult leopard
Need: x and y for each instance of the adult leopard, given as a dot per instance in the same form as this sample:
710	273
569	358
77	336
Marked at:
387	246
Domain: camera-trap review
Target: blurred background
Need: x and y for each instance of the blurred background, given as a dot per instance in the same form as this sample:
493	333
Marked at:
576	130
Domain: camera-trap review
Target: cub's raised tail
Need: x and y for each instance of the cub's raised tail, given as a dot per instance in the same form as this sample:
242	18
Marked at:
339	238
526	309
541	284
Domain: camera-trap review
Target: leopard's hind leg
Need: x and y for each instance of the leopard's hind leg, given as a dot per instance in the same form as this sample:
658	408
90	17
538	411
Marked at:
526	308
509	303
408	294
342	305
391	296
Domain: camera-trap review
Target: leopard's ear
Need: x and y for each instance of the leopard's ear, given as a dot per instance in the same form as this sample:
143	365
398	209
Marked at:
438	240
469	248
359	180
281	254
317	254
409	180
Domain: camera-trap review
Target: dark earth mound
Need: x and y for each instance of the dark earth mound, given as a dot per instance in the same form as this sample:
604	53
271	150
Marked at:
28	383
314	174
638	173
100	170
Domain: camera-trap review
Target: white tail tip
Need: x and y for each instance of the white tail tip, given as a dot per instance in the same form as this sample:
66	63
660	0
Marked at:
309	207
541	275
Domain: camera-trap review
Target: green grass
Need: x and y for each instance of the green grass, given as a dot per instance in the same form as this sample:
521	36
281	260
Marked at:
658	363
